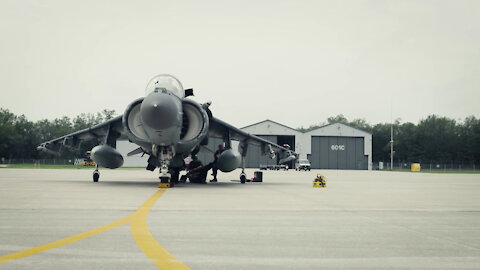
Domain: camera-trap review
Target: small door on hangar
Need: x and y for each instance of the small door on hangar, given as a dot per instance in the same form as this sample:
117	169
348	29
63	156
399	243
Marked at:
330	152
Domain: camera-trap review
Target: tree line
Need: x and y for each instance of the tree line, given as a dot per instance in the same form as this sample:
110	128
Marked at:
20	137
435	138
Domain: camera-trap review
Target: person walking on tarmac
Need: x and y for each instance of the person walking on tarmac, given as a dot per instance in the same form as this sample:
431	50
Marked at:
221	148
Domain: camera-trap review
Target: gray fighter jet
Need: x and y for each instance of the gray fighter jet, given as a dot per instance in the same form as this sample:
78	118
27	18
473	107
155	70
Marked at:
168	126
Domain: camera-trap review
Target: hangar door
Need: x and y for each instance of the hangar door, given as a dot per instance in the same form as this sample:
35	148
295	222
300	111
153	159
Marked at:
255	158
338	153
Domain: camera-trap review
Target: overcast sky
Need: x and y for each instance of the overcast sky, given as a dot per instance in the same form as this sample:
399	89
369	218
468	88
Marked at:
294	62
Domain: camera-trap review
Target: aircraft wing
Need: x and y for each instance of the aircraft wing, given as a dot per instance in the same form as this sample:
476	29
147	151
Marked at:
111	129
221	129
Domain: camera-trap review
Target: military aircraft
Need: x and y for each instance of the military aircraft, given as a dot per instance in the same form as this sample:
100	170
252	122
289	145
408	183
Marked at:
168	126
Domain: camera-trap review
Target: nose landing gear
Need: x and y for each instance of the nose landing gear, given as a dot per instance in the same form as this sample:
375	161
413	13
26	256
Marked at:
164	154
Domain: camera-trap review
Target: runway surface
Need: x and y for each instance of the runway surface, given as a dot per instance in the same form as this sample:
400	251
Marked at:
362	220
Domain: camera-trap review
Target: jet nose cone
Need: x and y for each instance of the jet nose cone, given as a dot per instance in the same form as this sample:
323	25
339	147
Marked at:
160	111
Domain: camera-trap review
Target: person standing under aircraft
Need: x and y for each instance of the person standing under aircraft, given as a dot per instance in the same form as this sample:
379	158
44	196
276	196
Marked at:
221	148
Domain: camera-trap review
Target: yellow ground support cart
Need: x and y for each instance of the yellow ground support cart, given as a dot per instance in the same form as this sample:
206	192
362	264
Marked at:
88	161
320	181
415	167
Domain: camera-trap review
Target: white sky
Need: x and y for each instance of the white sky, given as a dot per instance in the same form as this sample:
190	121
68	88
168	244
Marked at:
294	62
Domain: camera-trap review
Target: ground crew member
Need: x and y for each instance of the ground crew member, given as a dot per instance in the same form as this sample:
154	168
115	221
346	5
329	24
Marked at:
221	148
197	173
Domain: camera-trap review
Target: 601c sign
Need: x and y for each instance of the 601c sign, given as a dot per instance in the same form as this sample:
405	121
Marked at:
336	147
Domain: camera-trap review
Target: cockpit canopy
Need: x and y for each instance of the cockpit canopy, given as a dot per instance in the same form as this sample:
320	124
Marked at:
165	83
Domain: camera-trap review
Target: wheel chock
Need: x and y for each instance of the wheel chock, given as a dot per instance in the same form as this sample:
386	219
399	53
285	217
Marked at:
164	185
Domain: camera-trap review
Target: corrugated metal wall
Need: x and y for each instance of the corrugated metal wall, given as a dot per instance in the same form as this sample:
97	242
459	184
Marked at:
206	156
338	153
255	158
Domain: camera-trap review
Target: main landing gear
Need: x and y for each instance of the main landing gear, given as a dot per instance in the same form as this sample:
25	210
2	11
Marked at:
243	178
96	174
243	175
243	151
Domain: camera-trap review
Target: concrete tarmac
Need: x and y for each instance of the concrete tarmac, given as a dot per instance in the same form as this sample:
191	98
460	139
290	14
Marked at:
362	220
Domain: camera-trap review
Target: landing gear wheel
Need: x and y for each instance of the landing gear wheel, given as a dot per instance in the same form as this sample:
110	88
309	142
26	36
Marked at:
164	179
96	176
243	178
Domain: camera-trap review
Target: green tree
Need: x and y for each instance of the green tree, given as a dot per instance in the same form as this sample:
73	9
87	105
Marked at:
26	140
337	119
381	142
8	136
361	124
469	137
436	135
405	143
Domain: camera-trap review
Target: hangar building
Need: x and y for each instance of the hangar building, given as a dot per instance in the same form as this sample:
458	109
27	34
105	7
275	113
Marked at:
334	146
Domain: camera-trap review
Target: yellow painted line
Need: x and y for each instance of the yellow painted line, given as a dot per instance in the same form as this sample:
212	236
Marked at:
64	241
145	240
140	232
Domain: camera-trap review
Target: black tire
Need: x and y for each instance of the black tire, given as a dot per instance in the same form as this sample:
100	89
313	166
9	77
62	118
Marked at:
96	176
243	179
164	179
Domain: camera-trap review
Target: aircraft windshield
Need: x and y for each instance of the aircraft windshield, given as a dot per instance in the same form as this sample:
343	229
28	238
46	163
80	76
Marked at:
165	82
